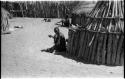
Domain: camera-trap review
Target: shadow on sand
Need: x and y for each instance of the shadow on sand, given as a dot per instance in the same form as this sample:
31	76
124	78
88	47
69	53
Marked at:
65	55
78	60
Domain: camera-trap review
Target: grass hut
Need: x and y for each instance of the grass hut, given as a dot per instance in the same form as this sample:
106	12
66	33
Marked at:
102	39
5	15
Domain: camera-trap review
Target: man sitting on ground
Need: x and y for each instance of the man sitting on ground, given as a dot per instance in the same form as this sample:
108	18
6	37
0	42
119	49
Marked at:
59	42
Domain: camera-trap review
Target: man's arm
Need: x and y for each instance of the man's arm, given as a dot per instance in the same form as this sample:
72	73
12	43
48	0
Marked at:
50	36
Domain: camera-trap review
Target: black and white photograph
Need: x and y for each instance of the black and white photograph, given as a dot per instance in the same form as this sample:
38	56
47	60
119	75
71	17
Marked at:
62	39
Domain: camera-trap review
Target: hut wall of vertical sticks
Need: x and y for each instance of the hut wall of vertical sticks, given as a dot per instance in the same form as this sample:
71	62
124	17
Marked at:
101	41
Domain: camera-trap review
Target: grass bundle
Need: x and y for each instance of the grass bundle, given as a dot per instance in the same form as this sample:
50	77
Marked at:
4	20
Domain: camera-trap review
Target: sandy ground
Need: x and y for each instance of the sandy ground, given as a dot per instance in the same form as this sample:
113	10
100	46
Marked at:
21	55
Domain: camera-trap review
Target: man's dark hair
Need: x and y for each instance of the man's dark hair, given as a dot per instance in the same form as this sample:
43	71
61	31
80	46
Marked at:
56	29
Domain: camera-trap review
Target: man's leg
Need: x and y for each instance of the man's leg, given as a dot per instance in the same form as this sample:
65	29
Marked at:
49	49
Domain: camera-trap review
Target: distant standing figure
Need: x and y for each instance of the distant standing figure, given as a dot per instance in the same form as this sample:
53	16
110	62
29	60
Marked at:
59	42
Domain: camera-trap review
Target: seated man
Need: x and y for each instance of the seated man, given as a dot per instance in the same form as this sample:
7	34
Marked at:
59	42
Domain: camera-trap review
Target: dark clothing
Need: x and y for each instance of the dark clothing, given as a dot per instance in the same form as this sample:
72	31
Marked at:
66	23
60	43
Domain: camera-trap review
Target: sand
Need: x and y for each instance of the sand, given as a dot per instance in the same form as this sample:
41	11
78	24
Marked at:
21	56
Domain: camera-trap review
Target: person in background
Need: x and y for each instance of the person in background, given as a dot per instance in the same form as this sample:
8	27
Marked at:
59	42
66	21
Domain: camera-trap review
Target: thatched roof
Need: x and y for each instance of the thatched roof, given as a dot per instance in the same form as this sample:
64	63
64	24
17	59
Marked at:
84	7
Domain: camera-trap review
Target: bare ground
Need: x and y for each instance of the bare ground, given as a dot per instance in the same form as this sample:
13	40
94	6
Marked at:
21	55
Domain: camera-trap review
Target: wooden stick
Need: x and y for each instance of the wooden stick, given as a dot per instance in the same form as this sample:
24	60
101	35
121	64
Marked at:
99	50
76	44
95	25
100	25
122	55
88	47
69	41
91	47
84	45
113	9
122	9
79	42
94	48
116	9
72	46
114	45
105	11
82	42
108	8
109	49
119	49
104	49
